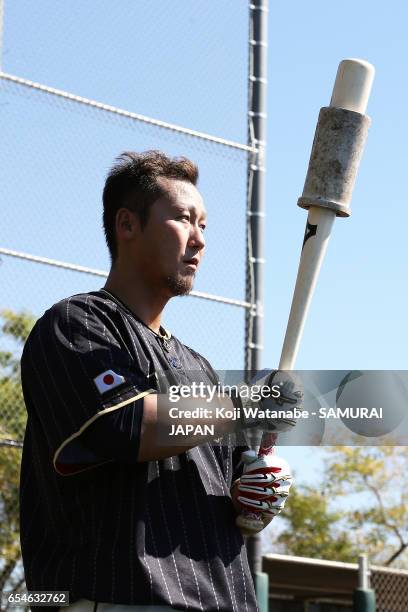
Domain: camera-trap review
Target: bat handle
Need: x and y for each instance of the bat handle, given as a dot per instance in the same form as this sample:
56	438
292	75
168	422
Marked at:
249	521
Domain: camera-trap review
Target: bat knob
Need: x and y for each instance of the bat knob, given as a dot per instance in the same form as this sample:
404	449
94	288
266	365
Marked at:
250	524
249	456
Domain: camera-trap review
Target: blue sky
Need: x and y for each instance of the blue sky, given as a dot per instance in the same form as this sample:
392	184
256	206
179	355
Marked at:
186	62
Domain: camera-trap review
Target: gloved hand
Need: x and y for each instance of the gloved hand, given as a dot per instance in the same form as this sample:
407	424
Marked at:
276	391
263	488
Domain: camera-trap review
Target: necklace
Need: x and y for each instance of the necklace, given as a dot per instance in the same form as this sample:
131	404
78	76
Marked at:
164	338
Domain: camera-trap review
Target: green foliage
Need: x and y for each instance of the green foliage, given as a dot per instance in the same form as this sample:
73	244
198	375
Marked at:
380	512
14	331
363	508
17	325
313	530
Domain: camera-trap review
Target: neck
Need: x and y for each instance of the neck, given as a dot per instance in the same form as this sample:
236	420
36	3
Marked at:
147	304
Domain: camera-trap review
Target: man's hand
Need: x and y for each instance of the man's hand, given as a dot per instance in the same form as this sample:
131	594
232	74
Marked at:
278	390
263	487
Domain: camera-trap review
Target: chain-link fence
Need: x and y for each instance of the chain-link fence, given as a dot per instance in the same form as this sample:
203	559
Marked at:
165	60
391	589
302	584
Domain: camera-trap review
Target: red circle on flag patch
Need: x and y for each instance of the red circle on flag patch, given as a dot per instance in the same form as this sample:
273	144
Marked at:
108	379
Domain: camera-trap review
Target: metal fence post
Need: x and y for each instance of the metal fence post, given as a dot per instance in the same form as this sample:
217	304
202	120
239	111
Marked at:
364	596
257	116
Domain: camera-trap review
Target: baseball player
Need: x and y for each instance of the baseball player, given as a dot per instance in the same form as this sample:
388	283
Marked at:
109	514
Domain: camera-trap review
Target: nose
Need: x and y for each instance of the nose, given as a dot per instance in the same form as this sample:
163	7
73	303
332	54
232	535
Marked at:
196	238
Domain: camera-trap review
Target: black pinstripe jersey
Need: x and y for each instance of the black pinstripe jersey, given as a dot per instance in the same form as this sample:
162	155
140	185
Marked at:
95	522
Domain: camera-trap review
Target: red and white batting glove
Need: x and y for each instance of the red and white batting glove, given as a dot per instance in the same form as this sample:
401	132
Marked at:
264	486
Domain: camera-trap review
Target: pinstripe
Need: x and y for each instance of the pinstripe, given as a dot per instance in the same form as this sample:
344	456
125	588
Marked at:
215	522
27	530
98	543
71	347
29	569
33	513
123	344
86	324
82	513
150	574
112	366
156	553
132	544
249	573
122	416
50	516
243	581
116	538
62	361
67	521
229	457
73	386
108	344
155	360
74	559
168	532
144	541
46	396
93	532
73	571
126	323
129	329
39	378
223	486
77	353
229	462
203	538
27	533
140	330
185	535
58	566
68	303
52	378
93	496
132	422
28	470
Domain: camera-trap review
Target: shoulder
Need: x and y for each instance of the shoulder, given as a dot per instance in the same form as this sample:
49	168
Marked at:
81	306
72	316
81	309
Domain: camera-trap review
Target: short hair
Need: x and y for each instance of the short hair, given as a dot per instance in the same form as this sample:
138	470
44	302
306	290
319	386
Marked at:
132	183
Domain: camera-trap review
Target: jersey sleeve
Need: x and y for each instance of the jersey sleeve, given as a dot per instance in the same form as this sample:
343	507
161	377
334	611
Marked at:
77	368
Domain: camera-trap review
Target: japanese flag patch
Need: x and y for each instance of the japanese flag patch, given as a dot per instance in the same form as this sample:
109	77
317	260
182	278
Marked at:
108	380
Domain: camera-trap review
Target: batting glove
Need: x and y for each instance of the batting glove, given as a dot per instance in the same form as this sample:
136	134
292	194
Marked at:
264	485
277	391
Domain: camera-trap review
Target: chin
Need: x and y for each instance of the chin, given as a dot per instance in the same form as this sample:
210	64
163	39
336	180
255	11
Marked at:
180	284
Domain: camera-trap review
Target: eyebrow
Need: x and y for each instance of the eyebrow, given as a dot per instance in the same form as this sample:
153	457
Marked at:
191	208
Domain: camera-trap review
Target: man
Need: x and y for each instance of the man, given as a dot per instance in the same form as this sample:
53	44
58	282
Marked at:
108	511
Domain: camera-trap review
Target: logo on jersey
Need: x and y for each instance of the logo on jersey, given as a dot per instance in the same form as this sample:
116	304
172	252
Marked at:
108	380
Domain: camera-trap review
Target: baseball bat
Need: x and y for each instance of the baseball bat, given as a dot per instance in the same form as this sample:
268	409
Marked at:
336	153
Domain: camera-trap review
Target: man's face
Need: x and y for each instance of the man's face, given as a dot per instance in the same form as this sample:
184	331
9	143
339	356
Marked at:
171	245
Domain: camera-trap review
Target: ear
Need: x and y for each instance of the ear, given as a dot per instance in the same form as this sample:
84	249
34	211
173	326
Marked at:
127	223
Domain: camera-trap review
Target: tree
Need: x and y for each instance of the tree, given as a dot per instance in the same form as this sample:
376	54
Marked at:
312	529
379	515
14	331
360	505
